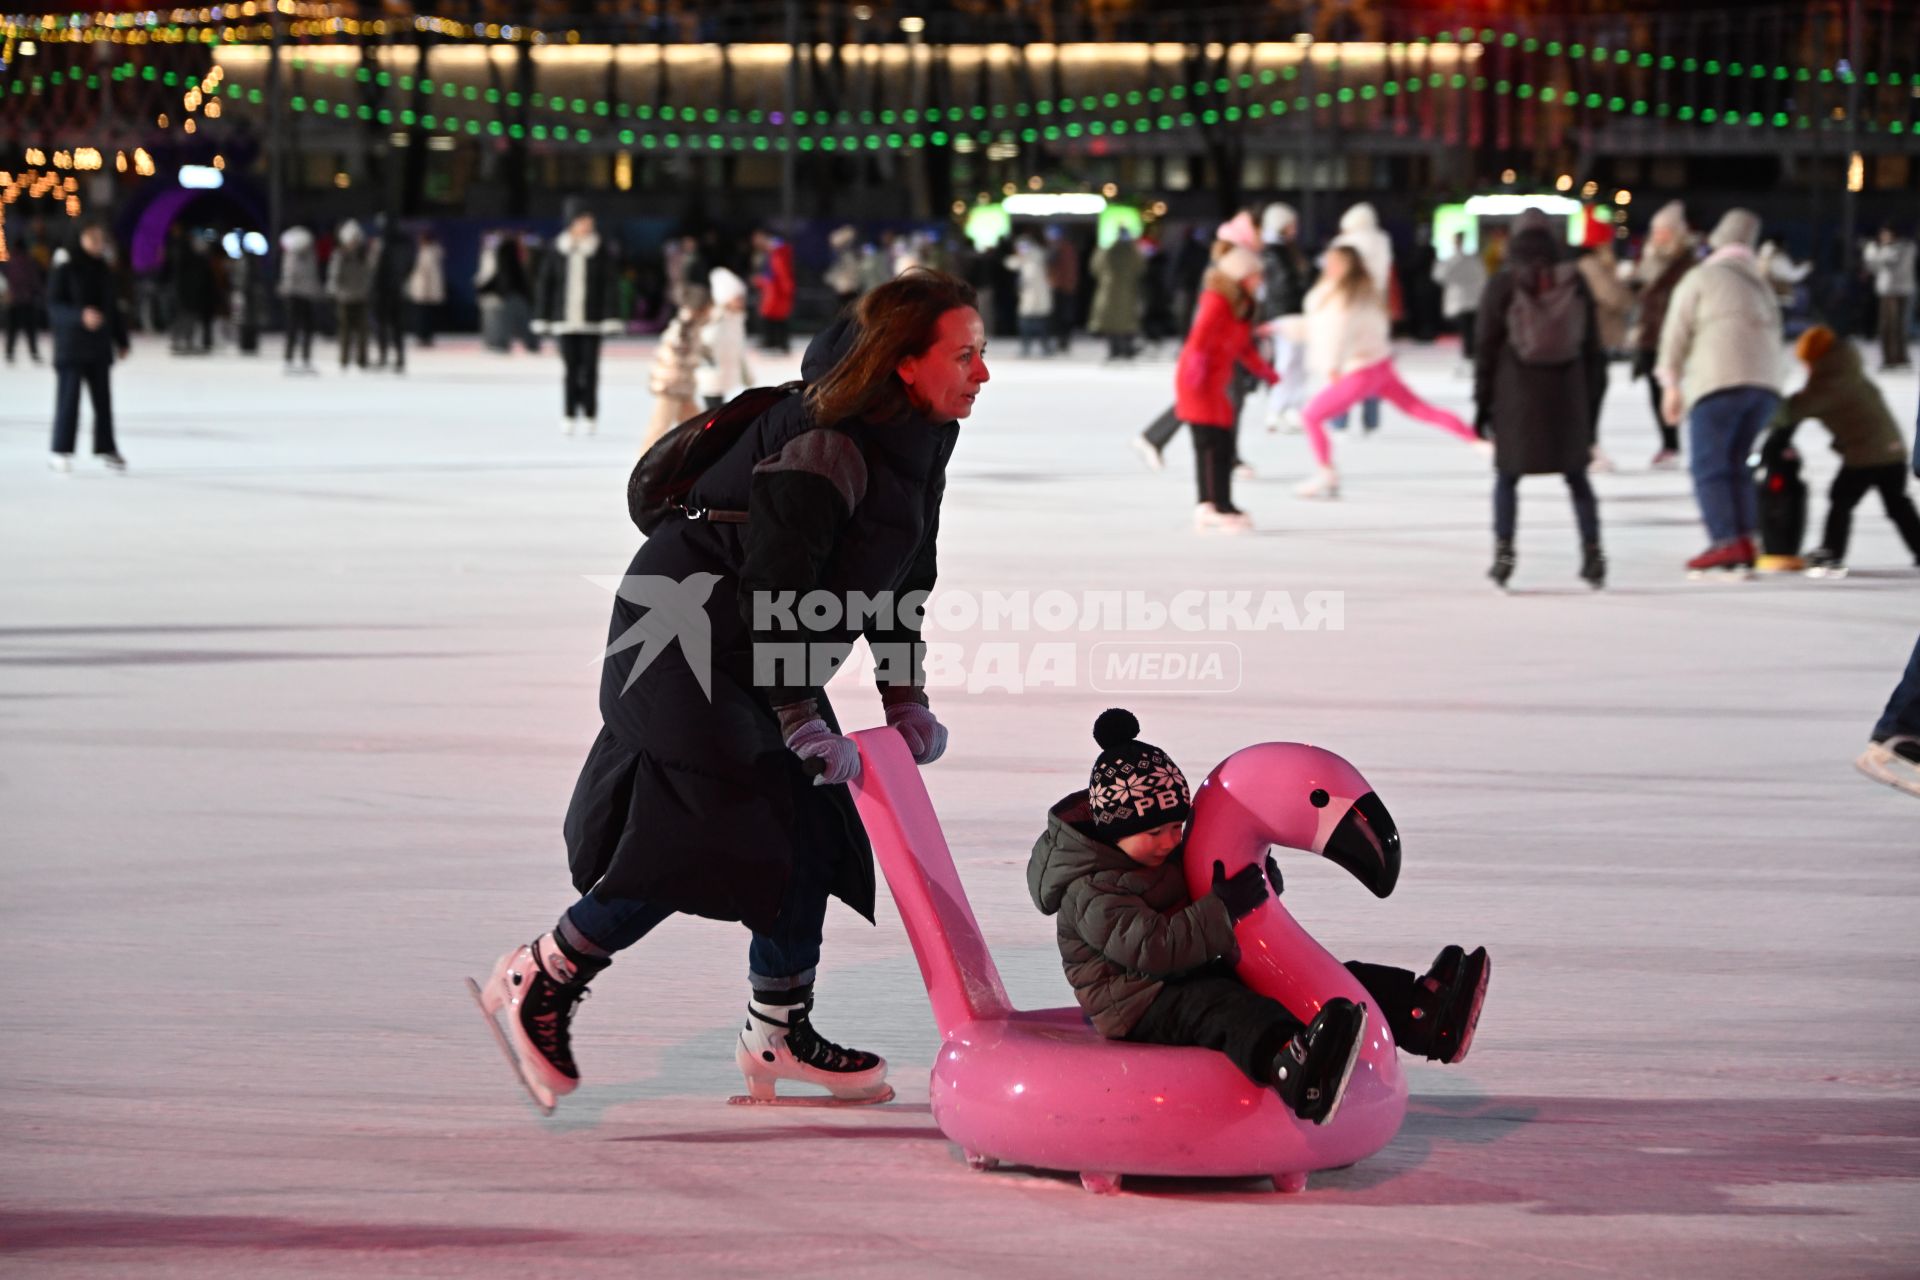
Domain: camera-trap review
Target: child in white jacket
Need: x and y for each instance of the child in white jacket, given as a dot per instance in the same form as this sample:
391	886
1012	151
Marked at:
724	374
1347	334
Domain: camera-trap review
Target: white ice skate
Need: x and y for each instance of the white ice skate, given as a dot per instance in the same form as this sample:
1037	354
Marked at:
1324	484
1208	518
1896	762
537	1012
566	426
1148	454
778	1043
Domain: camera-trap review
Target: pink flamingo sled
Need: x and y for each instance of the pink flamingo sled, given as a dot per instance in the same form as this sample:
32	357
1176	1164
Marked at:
1042	1089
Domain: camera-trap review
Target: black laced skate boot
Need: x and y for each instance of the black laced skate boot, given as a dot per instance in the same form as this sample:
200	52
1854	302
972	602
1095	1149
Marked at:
538	987
1593	565
1446	1004
779	1043
1311	1070
1502	563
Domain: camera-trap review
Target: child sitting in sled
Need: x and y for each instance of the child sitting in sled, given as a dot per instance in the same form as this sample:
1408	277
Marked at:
1151	964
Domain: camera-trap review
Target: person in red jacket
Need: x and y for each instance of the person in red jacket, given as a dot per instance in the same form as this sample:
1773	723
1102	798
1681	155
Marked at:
1221	336
775	282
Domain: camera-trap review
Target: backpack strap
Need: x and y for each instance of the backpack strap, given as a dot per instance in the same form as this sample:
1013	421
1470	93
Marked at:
714	515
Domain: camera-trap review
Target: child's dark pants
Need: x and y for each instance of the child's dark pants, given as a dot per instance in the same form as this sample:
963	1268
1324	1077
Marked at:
1213	1009
1851	485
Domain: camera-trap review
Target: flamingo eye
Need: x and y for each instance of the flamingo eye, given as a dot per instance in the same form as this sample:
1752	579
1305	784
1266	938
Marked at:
1318	799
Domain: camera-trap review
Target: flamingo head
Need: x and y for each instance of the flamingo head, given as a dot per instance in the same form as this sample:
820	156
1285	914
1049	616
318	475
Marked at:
1300	797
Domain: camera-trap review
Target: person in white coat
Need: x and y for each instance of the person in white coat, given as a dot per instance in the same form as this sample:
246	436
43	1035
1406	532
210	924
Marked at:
724	373
427	285
1360	231
1029	262
1891	260
1462	279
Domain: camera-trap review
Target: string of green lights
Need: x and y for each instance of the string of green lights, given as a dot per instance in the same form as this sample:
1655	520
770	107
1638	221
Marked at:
604	109
654	140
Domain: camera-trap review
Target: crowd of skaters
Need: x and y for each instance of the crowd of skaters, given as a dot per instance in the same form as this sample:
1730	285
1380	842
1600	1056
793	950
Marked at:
1698	318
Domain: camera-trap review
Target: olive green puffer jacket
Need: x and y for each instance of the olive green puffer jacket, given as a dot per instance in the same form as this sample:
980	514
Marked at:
1124	929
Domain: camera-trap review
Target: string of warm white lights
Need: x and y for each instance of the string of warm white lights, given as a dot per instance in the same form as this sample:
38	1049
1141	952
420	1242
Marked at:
36	184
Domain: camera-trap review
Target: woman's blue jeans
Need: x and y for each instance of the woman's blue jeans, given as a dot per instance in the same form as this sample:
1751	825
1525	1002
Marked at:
1721	430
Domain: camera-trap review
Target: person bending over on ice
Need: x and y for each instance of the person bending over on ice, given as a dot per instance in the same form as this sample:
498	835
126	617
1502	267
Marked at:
1150	964
1872	455
696	796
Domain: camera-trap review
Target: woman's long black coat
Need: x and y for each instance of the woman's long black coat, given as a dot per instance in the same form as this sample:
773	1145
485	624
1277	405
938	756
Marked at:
1541	417
694	802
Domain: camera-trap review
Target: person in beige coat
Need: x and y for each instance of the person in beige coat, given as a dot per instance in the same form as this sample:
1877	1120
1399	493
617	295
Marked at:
1612	305
676	366
1719	367
1670	252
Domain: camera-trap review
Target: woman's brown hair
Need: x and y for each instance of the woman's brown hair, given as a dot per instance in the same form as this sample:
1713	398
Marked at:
1356	285
1234	291
897	320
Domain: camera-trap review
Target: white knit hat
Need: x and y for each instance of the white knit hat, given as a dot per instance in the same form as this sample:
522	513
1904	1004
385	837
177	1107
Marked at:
1276	221
725	286
1238	263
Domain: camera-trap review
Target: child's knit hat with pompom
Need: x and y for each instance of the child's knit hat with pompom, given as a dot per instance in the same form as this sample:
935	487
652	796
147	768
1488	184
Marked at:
1135	786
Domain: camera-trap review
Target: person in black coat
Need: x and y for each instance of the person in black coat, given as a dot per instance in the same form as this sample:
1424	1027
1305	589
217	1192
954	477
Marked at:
387	302
576	298
88	331
716	784
1540	413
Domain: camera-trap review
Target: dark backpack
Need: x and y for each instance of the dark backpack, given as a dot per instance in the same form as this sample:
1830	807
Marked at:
667	472
1547	317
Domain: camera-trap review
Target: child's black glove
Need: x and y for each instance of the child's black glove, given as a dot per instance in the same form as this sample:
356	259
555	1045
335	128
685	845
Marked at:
1273	877
1241	893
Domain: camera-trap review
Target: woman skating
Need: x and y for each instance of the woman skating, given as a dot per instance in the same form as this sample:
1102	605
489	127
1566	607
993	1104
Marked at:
1346	331
716	784
1537	388
1220	342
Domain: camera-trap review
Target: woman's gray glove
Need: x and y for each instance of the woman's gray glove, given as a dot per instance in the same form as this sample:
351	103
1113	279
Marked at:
925	736
839	757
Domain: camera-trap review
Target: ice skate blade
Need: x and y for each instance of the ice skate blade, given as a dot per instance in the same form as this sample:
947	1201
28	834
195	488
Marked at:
500	1038
1477	1001
1719	575
1346	1072
813	1100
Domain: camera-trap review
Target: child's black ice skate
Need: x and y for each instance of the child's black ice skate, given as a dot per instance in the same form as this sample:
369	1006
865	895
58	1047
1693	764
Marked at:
1446	1004
1822	563
1311	1071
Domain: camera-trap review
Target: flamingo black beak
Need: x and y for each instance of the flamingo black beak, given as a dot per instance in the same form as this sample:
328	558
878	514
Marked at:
1367	844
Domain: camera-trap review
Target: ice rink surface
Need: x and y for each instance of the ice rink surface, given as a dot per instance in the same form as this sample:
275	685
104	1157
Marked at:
289	716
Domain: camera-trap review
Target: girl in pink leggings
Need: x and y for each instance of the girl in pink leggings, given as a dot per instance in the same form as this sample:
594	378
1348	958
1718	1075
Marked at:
1345	328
